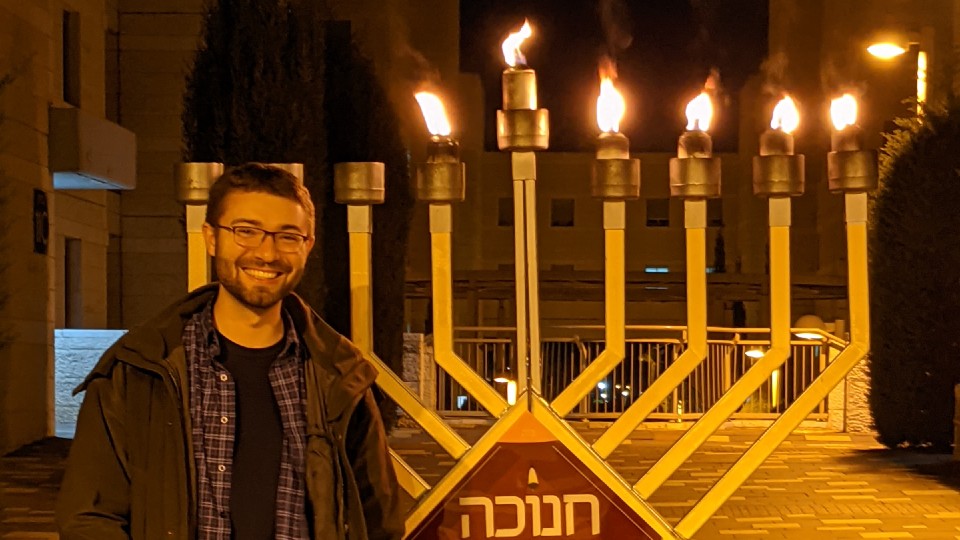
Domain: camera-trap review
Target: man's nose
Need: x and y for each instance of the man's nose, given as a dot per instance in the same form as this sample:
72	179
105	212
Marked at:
267	250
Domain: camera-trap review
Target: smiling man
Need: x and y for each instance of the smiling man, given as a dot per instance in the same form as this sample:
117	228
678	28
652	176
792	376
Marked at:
237	413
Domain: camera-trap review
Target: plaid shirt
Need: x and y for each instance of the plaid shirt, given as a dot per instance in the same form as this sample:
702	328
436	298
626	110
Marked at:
213	414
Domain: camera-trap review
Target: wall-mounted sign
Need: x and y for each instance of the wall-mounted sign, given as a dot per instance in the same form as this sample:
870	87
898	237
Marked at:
41	222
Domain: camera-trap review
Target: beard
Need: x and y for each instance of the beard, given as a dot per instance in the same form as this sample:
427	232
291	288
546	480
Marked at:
249	293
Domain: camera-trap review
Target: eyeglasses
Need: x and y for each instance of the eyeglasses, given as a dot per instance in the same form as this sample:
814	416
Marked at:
252	237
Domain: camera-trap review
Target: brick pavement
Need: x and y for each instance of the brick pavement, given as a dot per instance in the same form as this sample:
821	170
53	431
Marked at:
818	484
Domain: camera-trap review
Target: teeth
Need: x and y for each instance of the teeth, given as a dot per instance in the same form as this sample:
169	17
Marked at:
260	274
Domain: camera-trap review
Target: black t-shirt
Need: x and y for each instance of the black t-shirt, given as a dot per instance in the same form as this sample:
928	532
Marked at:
258	442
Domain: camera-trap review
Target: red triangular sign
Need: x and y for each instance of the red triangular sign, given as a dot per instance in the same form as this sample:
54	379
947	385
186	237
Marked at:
529	485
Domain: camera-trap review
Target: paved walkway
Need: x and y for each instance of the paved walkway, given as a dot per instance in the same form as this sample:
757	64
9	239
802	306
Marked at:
817	485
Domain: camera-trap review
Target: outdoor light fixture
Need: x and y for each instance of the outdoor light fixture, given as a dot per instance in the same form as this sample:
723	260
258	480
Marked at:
809	322
754	353
886	50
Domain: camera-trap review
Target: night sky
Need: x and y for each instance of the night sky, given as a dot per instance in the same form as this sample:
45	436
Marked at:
673	44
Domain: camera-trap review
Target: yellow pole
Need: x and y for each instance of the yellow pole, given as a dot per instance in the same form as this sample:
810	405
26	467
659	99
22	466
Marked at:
524	169
359	227
856	215
441	228
695	221
614	224
729	402
198	262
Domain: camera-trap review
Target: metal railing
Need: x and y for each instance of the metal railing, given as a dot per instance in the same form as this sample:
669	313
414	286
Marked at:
650	350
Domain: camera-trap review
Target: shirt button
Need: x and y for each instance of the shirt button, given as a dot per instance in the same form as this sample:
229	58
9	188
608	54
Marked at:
221	468
223	420
223	377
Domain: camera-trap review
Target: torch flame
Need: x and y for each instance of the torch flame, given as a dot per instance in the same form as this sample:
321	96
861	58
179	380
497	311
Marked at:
434	113
610	106
511	45
786	117
843	111
699	112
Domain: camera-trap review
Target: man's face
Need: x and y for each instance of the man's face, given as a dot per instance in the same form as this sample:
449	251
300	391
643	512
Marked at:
258	276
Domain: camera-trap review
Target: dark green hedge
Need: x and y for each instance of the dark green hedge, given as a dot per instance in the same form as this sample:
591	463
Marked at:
915	281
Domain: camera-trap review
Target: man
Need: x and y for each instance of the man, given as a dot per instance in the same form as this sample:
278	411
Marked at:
237	413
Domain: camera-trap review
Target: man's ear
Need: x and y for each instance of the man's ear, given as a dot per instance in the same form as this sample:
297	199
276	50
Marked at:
210	238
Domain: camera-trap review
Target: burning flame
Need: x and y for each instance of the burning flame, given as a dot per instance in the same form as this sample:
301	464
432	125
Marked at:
699	112
610	106
843	111
786	117
433	113
511	45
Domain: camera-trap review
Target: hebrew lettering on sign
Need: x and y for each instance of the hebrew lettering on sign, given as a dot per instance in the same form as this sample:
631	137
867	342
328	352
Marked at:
535	504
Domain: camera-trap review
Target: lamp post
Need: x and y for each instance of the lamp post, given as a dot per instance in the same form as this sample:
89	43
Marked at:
894	45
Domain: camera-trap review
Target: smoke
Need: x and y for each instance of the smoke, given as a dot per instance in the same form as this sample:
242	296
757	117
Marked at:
614	17
774	70
407	63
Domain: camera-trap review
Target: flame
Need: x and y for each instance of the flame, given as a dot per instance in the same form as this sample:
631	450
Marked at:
511	45
699	112
843	111
434	113
610	106
786	117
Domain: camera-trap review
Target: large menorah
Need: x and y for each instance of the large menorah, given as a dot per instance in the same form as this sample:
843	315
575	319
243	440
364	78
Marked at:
529	426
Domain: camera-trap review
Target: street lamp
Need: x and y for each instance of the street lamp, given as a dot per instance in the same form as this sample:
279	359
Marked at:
894	46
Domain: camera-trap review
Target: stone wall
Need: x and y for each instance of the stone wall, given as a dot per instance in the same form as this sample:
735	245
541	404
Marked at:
77	353
849	406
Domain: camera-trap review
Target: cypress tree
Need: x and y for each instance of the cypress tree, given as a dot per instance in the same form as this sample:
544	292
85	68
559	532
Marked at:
278	81
915	273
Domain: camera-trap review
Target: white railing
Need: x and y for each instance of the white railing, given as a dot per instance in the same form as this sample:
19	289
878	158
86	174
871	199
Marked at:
649	351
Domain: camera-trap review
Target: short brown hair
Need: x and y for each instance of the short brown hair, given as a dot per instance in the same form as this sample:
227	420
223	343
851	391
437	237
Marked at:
258	178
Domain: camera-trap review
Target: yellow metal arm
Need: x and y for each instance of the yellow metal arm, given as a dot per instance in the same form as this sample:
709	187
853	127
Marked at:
360	227
696	351
398	391
731	400
856	204
198	262
409	480
614	218
440	232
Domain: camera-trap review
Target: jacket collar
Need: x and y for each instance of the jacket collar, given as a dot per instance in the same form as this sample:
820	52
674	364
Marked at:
150	345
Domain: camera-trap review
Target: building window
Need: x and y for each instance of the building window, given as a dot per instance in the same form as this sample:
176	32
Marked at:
505	212
70	57
658	212
715	212
656	270
561	212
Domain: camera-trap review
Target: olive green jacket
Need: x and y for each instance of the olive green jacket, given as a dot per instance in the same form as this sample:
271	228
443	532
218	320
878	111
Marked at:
131	472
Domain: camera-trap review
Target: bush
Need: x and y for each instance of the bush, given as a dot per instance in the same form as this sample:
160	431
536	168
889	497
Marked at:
915	281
